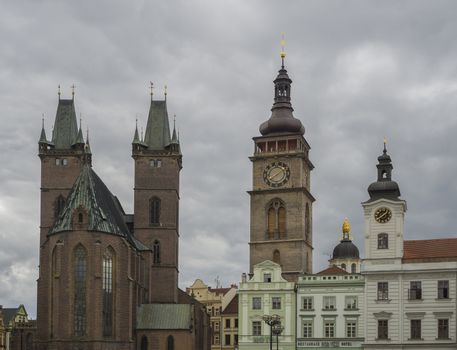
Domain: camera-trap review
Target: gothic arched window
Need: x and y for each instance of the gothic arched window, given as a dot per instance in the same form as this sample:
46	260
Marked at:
58	206
156	252
80	269
170	343
154	211
144	343
277	257
108	291
276	215
383	241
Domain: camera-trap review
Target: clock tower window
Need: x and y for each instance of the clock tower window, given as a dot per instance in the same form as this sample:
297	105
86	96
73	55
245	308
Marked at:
383	241
276	227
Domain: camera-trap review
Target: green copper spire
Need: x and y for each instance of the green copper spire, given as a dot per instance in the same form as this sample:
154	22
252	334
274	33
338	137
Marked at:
79	137
65	130
136	137
157	136
43	133
174	138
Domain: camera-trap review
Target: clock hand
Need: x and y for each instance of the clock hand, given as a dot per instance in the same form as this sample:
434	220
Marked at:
275	175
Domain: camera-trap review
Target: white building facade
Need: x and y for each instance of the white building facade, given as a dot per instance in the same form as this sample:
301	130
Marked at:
410	286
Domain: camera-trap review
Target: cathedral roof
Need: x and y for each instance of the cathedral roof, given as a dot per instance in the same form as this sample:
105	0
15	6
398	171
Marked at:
164	316
65	126
105	213
157	135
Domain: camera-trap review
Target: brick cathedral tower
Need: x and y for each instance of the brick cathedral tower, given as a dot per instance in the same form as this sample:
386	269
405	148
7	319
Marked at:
281	202
158	162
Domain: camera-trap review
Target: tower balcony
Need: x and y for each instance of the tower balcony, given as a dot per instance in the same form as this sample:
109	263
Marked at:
281	146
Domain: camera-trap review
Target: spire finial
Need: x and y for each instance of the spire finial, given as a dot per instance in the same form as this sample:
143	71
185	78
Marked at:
87	134
73	91
283	52
385	143
80	120
151	87
42	120
165	91
58	90
142	139
346	228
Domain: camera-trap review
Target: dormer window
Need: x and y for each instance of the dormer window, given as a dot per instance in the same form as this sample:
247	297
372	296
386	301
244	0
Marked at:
267	277
383	241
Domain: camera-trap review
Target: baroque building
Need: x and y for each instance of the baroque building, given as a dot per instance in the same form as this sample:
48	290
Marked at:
281	201
410	292
106	276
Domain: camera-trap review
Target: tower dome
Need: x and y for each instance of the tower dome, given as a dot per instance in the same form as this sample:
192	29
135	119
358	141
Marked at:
346	249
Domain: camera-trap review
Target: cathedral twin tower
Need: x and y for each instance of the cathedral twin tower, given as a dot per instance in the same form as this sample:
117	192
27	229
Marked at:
99	266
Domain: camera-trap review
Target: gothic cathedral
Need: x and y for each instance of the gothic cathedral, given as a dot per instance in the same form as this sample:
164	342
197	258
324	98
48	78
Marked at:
281	201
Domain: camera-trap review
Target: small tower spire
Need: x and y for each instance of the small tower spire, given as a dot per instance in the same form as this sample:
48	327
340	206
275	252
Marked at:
174	138
58	91
142	139
87	145
165	91
283	52
79	137
385	143
43	132
151	87
136	138
73	91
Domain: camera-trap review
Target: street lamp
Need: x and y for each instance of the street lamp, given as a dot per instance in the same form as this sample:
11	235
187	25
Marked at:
275	327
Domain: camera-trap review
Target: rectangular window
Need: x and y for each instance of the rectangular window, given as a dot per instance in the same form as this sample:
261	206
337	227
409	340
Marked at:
443	328
216	326
383	241
216	339
383	291
217	311
256	328
415	291
351	302
276	303
236	323
351	329
415	329
307	329
307	303
227	323
383	329
256	303
227	339
155	163
267	277
329	329
443	289
329	303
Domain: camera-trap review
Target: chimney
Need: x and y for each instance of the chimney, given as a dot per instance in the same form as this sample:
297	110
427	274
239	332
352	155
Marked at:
243	277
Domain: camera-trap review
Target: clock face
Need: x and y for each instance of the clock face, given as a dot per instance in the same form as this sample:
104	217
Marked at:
383	215
276	174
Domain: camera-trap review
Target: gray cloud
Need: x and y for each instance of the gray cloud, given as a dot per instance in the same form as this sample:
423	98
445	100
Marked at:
362	70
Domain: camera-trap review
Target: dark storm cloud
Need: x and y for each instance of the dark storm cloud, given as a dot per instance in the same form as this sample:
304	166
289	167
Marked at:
362	70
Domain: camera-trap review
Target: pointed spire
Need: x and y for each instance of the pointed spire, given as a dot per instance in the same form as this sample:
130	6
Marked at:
79	138
174	138
157	132
65	130
43	132
136	138
87	145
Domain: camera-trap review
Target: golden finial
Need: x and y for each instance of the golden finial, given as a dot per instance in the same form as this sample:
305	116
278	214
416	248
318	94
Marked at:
151	87
346	229
165	91
283	52
385	143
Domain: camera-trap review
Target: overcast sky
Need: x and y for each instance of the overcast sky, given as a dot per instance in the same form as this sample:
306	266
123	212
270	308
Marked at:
361	70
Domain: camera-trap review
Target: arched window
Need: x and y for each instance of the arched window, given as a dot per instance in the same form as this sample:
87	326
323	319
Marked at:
29	342
307	223
383	241
277	257
80	218
353	268
108	292
58	206
276	226
80	268
156	252
170	343
144	343
154	211
343	266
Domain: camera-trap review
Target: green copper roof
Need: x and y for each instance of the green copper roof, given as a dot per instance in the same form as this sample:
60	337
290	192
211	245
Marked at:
136	137
157	135
164	316
43	136
90	193
79	137
65	126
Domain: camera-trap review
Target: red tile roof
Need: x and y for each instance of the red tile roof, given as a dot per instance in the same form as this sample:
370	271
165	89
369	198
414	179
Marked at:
232	307
222	291
445	248
333	270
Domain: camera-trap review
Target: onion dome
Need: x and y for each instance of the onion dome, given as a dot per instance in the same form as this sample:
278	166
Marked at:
384	187
346	249
282	119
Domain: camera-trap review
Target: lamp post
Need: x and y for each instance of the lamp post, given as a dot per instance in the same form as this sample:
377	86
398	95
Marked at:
277	330
274	322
